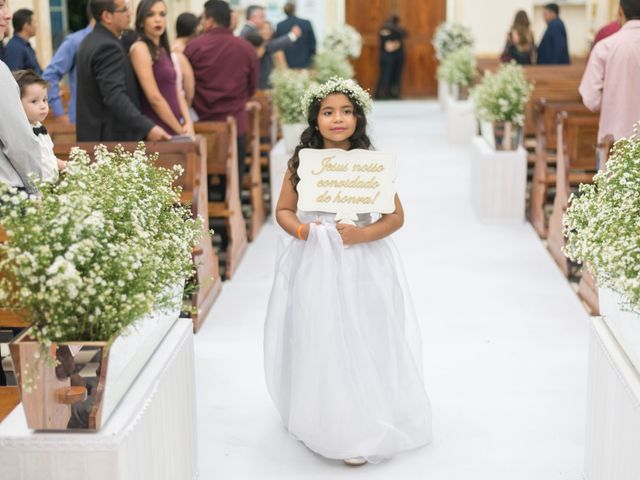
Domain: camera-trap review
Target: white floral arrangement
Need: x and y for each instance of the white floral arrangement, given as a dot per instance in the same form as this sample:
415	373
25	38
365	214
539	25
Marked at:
602	225
288	87
502	96
449	37
344	41
326	65
95	252
458	68
340	85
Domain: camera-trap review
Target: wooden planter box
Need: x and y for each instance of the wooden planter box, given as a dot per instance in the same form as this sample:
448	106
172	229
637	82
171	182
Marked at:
83	391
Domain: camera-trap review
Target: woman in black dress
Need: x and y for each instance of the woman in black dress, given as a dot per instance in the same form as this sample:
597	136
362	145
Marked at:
391	58
519	45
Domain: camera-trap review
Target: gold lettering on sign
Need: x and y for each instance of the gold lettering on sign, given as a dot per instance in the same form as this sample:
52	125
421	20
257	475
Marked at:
329	166
368	167
355	199
349	183
324	198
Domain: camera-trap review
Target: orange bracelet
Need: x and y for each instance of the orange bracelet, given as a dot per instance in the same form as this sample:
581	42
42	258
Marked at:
299	231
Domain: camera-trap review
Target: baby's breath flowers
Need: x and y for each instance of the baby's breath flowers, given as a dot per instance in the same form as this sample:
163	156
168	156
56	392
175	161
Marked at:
98	250
449	37
337	85
502	96
344	41
458	68
288	88
602	224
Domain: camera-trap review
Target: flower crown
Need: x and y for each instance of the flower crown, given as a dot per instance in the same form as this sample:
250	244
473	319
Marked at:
337	85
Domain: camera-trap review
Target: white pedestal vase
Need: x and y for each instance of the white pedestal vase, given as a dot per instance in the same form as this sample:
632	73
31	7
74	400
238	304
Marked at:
498	182
278	160
613	394
443	93
291	134
461	121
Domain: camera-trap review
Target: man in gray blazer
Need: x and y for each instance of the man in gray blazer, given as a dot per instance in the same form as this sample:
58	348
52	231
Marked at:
19	148
256	20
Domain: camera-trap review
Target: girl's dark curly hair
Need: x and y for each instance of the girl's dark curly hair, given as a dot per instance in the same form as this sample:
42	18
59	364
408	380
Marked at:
311	137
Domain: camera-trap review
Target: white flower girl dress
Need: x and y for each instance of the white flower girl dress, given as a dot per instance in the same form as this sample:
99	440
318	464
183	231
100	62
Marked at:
342	347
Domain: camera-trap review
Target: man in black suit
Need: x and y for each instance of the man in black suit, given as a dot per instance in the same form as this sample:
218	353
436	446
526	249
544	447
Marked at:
108	97
301	53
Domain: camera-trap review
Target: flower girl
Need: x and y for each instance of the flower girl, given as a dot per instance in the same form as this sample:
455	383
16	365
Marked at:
342	345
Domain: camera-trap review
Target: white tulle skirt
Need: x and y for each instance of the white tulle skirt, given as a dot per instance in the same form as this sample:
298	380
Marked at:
342	347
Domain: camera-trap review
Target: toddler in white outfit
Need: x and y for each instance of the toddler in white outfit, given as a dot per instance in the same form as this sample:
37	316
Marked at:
33	93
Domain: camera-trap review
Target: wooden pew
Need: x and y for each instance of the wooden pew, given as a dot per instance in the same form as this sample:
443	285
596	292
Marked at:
222	165
577	138
253	181
61	132
192	157
587	289
545	114
9	399
268	138
554	83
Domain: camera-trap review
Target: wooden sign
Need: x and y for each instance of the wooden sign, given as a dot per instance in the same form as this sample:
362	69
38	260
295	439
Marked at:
346	182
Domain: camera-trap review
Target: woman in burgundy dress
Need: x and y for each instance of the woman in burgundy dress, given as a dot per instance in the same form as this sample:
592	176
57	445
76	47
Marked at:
163	101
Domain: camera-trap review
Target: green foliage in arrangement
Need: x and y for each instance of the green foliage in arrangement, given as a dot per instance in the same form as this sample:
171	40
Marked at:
602	224
344	41
288	88
458	68
502	96
98	250
449	37
327	65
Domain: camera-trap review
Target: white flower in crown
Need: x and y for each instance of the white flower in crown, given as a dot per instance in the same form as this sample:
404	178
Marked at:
337	85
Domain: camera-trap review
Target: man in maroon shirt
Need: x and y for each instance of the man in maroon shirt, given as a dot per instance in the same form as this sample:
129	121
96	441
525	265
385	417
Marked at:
226	69
606	31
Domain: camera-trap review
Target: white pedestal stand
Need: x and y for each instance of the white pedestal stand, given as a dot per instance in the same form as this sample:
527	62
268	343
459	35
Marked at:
613	398
498	181
151	435
278	161
443	93
461	121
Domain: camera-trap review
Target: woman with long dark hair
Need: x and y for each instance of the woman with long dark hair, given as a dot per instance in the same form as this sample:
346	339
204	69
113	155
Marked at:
164	101
519	45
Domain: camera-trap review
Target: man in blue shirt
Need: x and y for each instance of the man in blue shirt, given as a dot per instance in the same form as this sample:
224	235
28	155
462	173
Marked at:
19	54
553	48
62	63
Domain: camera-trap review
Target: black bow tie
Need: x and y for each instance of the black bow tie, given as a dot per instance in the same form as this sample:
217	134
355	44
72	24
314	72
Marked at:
41	130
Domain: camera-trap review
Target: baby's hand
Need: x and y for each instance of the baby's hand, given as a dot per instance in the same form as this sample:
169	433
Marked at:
350	234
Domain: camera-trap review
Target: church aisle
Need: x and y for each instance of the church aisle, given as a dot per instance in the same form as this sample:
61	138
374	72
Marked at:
504	339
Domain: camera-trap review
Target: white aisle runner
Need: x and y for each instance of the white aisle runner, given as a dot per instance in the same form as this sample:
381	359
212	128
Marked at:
504	339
